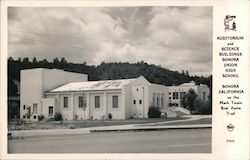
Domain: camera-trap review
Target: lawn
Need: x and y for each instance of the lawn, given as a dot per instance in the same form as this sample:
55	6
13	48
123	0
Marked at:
87	123
200	121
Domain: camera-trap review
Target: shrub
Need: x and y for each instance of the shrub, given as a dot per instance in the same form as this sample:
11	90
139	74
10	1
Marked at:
154	112
41	117
76	117
110	116
58	116
201	107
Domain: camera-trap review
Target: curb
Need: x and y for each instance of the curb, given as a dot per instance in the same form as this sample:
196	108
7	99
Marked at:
149	129
22	134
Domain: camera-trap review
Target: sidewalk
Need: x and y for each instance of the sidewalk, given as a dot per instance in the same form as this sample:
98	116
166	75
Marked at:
129	127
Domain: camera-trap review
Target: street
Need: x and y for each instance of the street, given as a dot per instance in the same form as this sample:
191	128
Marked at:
167	141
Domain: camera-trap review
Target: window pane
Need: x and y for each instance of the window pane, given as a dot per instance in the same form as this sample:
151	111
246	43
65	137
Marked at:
80	101
175	95
50	111
35	109
65	102
115	101
97	101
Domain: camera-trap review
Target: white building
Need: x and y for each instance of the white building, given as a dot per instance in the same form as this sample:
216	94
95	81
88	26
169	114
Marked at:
34	83
49	91
176	93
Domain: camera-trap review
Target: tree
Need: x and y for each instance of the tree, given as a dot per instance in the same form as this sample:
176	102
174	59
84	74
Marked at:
182	72
188	100
26	60
63	60
187	73
56	60
34	60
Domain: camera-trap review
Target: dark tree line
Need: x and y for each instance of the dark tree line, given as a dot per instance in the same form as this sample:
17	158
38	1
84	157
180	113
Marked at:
104	71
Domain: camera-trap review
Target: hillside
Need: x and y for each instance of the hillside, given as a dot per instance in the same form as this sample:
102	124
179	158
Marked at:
104	71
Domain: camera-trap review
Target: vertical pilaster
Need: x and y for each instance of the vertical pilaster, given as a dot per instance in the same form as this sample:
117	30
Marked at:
105	104
72	105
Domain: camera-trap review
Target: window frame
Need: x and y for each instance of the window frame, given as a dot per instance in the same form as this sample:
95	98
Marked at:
175	95
80	101
115	104
97	99
50	110
140	101
65	105
35	104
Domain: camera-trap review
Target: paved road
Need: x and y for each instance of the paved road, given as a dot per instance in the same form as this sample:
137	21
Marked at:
168	141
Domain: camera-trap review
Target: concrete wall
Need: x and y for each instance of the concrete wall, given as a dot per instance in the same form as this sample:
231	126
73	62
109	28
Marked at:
97	113
136	91
53	78
46	103
139	101
158	95
34	82
119	112
203	92
90	112
30	91
199	90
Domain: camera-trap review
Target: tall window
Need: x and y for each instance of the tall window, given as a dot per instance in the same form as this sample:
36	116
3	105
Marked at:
157	102
50	110
80	101
162	100
154	98
35	109
97	101
65	102
115	101
175	95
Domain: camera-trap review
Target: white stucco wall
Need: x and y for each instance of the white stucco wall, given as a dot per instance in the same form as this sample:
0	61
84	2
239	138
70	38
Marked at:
161	92
97	113
53	78
119	112
34	82
136	91
203	89
199	90
46	103
139	101
30	90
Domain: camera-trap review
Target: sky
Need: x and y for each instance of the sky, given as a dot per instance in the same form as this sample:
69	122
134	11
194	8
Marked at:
177	38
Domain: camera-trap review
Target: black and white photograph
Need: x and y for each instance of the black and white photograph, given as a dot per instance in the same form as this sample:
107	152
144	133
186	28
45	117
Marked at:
109	79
